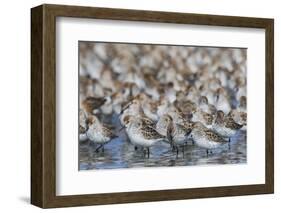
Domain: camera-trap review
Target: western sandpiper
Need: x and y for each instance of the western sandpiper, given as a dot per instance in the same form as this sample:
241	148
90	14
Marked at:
92	103
225	125
98	133
206	138
141	134
177	135
222	101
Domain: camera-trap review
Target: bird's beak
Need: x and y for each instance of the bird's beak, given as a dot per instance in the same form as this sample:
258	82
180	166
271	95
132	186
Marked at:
126	107
123	127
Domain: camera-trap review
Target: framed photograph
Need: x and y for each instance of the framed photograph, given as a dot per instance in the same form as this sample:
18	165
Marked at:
136	106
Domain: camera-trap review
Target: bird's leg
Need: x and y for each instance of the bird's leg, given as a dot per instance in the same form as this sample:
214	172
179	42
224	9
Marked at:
97	149
136	148
183	151
148	152
229	140
207	152
177	149
102	148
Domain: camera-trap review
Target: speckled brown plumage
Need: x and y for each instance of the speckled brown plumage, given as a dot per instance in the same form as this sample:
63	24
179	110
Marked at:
150	133
91	103
212	136
230	123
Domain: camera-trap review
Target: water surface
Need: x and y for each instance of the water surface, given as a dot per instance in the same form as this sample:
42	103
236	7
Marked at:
120	153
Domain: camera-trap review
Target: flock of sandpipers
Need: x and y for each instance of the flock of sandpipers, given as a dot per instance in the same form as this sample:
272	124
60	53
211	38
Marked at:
206	125
171	105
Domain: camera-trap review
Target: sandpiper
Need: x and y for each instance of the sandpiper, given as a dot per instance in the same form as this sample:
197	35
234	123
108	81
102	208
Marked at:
239	114
92	103
162	124
206	138
222	101
203	117
205	106
177	134
225	125
131	108
141	134
98	133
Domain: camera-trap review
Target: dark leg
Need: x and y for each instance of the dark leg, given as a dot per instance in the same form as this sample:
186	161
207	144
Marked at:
177	149
136	148
97	149
207	152
148	152
229	140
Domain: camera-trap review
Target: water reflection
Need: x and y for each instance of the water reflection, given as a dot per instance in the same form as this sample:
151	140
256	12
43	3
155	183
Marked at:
121	154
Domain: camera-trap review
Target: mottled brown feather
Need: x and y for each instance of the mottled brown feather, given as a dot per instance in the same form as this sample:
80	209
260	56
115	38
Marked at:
231	124
108	132
212	136
150	133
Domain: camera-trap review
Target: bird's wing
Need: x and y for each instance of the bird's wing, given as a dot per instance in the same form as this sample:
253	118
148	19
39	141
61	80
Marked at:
231	124
108	132
96	102
147	122
212	136
183	129
150	133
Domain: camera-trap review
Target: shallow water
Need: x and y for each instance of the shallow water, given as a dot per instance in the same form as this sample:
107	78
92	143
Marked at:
119	153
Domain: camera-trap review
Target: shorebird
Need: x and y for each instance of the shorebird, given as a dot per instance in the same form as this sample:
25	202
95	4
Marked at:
162	107
141	134
98	133
131	108
134	108
92	103
206	138
222	101
239	115
225	125
203	117
162	124
177	134
205	106
107	107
